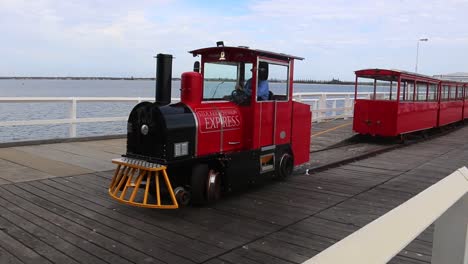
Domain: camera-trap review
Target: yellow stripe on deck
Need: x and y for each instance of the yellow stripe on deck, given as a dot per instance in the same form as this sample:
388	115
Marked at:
331	129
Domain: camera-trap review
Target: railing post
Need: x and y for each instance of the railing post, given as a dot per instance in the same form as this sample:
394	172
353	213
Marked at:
322	105
450	243
346	105
72	129
315	114
334	108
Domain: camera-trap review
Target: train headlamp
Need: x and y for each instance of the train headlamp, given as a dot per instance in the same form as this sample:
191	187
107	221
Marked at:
181	149
144	130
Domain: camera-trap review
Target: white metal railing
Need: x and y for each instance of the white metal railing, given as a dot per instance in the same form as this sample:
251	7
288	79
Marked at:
72	117
445	203
323	106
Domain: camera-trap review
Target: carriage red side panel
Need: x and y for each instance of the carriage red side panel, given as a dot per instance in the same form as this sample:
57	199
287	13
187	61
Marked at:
375	117
465	111
450	112
301	126
415	116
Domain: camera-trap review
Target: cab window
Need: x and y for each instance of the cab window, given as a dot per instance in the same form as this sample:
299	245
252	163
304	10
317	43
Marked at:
220	79
276	79
279	82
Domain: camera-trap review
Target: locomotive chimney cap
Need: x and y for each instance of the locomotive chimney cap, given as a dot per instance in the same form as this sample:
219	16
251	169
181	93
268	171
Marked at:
159	55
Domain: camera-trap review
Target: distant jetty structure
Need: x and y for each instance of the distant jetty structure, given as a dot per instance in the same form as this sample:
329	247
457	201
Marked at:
459	76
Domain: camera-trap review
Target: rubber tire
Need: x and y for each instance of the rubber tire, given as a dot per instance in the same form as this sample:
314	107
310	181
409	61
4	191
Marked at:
198	182
285	166
213	191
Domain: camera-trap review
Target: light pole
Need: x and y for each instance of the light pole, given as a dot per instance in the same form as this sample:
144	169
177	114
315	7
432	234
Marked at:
417	52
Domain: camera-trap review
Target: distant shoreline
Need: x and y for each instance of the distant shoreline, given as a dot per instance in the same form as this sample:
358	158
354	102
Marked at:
334	81
79	78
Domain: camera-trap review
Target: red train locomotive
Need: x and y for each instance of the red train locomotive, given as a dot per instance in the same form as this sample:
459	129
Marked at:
236	124
415	102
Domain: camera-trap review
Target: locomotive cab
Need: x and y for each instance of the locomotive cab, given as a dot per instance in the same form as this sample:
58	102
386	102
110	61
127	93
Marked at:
236	124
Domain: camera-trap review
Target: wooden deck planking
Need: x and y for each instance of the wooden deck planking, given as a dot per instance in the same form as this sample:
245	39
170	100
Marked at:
106	226
85	150
330	132
8	258
166	225
248	256
215	220
72	219
50	218
88	162
48	232
67	252
30	241
163	235
42	164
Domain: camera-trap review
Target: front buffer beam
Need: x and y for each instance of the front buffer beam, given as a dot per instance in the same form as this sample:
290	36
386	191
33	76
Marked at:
133	181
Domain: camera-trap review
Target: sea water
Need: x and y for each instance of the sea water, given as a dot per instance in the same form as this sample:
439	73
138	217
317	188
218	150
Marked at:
88	88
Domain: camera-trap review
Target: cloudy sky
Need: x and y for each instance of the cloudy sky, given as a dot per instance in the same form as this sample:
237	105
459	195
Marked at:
336	37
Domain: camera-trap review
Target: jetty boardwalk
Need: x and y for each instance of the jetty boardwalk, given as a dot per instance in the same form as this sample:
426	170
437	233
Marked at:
54	206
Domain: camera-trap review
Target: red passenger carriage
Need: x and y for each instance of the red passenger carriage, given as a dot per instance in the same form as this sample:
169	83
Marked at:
403	102
450	102
465	101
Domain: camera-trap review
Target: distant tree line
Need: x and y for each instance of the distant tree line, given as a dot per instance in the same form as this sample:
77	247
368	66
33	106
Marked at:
332	81
77	78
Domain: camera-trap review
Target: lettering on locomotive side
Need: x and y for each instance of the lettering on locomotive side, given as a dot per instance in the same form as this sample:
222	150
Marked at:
213	120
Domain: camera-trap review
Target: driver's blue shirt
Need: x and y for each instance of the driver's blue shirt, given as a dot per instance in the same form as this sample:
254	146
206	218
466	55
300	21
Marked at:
263	90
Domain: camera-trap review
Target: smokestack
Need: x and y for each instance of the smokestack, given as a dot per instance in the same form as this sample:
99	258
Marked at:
163	78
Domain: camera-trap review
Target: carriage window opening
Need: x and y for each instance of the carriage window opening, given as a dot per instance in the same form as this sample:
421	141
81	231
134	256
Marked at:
432	96
402	91
445	93
453	92
373	96
377	89
220	80
460	93
427	92
393	90
421	94
410	91
362	85
278	80
415	92
391	96
383	89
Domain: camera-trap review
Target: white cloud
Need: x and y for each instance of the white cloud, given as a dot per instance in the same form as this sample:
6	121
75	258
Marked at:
120	37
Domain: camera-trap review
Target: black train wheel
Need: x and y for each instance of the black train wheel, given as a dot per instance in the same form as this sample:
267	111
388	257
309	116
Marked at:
285	166
213	186
199	183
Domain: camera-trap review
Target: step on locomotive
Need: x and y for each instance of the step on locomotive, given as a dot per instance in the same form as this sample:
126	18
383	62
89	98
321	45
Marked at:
236	124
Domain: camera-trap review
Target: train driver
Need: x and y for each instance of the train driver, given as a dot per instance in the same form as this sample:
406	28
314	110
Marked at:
263	90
